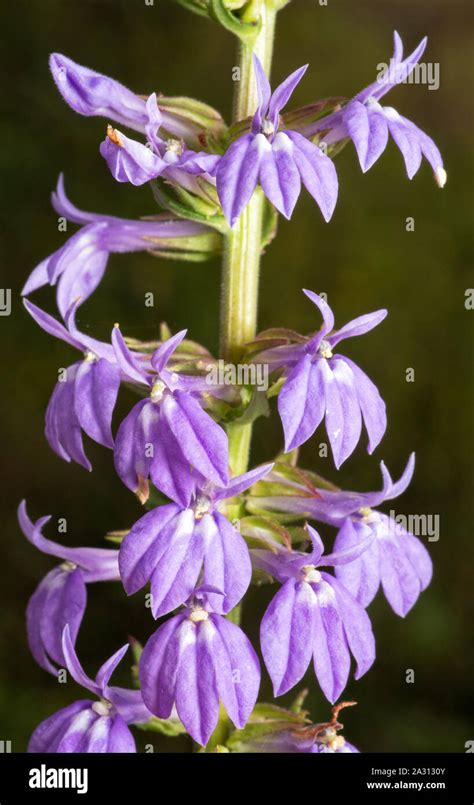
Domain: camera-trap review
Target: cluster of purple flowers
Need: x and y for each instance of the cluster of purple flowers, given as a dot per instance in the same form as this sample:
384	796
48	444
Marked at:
189	550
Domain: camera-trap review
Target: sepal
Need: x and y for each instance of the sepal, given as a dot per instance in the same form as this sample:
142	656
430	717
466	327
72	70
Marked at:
299	118
201	125
268	725
190	206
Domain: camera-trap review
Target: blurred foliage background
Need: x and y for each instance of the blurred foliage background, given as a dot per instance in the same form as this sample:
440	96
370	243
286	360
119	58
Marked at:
364	259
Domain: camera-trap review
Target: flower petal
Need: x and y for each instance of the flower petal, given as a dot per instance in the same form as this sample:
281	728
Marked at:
334	414
283	93
143	545
405	135
126	359
400	581
226	561
48	734
129	160
50	325
159	664
279	176
263	91
371	405
197	700
202	441
357	627
237	174
134	444
351	415
59	600
169	470
301	402
90	93
286	634
74	666
95	394
317	172
161	356
242	482
358	326
237	671
177	569
121	739
368	130
326	313
331	656
397	488
62	430
361	576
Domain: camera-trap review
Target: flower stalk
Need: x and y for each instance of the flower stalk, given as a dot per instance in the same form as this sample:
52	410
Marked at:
243	243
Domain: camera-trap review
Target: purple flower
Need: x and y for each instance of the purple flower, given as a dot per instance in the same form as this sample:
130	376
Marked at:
321	385
313	615
79	265
171	546
279	160
60	597
90	93
196	660
168	436
131	161
84	399
396	559
368	123
93	94
92	726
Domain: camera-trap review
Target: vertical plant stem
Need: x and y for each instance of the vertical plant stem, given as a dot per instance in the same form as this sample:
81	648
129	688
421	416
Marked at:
241	263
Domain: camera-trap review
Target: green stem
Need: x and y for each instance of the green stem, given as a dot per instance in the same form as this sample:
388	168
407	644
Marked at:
241	264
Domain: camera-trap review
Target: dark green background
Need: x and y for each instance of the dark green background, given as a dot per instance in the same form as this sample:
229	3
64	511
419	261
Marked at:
364	259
